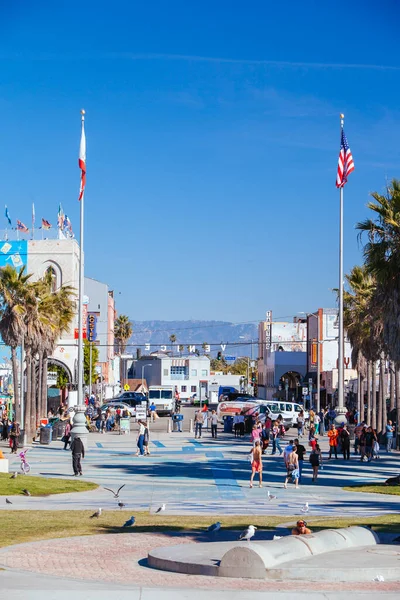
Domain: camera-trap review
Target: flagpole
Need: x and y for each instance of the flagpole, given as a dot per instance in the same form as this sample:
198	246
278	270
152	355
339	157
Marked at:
80	295
341	409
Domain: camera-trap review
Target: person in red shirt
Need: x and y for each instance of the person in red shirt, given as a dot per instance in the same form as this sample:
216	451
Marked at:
333	435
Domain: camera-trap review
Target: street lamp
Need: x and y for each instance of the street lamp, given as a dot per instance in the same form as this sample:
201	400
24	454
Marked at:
143	368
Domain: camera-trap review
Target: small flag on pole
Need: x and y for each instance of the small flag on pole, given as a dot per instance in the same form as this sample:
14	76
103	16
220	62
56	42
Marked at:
60	217
345	164
82	158
22	227
46	224
7	215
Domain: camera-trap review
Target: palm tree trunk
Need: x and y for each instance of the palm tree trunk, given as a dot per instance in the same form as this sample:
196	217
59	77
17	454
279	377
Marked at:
392	385
397	379
360	404
28	404
379	412
33	419
15	384
373	400
39	387
44	384
368	392
35	387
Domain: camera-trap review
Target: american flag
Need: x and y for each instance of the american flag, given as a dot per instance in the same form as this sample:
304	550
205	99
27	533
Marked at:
82	159
345	164
22	227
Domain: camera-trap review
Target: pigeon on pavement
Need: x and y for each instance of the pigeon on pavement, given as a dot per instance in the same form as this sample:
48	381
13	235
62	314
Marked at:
248	533
97	514
116	494
305	508
130	522
8	501
214	528
14	475
121	505
161	508
271	496
26	492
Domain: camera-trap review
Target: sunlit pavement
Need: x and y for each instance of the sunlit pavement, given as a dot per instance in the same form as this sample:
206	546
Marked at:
204	477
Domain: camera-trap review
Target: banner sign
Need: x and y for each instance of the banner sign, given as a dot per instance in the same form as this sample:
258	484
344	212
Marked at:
91	327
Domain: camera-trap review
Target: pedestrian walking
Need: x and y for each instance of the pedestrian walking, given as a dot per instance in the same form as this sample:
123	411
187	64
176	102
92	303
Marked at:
146	440
15	432
321	429
5	422
345	442
241	424
292	470
140	439
236	425
265	435
315	461
389	436
78	453
333	441
67	435
214	424
300	423
255	435
311	419
152	411
198	424
375	447
256	463
276	436
204	410
288	450
370	437
301	452
317	421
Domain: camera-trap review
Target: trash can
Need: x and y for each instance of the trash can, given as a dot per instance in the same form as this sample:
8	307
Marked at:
177	419
228	424
46	434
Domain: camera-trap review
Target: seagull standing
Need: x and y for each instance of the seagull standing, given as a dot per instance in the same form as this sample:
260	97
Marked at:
248	533
97	514
305	508
271	496
116	494
130	522
214	528
161	508
121	505
26	492
14	475
8	501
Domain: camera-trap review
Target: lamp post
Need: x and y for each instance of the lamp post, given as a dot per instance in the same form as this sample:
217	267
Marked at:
143	368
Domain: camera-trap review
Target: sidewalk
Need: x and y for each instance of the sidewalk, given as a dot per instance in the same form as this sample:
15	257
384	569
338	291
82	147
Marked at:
204	477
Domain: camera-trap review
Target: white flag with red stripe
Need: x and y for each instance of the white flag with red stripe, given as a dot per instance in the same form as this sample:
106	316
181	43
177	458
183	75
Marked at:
82	160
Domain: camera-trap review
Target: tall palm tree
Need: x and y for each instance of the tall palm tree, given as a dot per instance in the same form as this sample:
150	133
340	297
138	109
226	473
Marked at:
122	332
13	293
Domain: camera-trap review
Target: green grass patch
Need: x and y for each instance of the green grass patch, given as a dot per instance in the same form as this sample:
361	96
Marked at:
41	486
29	526
376	488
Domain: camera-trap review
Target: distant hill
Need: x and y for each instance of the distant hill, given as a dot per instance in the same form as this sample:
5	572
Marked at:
194	332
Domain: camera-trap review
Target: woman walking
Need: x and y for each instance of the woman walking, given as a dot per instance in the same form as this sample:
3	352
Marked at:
276	434
256	463
146	441
140	439
316	461
67	435
345	442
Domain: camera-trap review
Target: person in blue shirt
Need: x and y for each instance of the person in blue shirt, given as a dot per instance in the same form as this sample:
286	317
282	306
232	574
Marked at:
152	409
389	436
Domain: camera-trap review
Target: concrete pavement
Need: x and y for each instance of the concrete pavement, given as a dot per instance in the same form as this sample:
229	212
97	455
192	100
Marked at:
204	477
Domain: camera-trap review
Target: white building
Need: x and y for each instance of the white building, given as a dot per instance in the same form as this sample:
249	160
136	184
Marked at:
190	375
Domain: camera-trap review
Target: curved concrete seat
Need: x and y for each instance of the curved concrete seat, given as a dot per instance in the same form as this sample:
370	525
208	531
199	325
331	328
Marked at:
246	560
255	559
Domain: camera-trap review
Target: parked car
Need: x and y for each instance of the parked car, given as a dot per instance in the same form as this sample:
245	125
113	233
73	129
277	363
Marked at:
121	405
130	398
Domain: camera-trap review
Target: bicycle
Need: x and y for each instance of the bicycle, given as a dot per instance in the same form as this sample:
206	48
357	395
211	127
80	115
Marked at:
25	466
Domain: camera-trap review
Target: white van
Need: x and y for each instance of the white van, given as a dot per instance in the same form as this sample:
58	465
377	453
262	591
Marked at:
289	410
163	398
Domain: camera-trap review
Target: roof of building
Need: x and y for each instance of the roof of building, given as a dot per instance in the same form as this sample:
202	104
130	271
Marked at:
134	384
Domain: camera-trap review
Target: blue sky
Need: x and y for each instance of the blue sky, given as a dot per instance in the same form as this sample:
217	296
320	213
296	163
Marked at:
212	142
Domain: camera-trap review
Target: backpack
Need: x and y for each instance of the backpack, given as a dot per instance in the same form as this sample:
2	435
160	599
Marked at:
281	431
